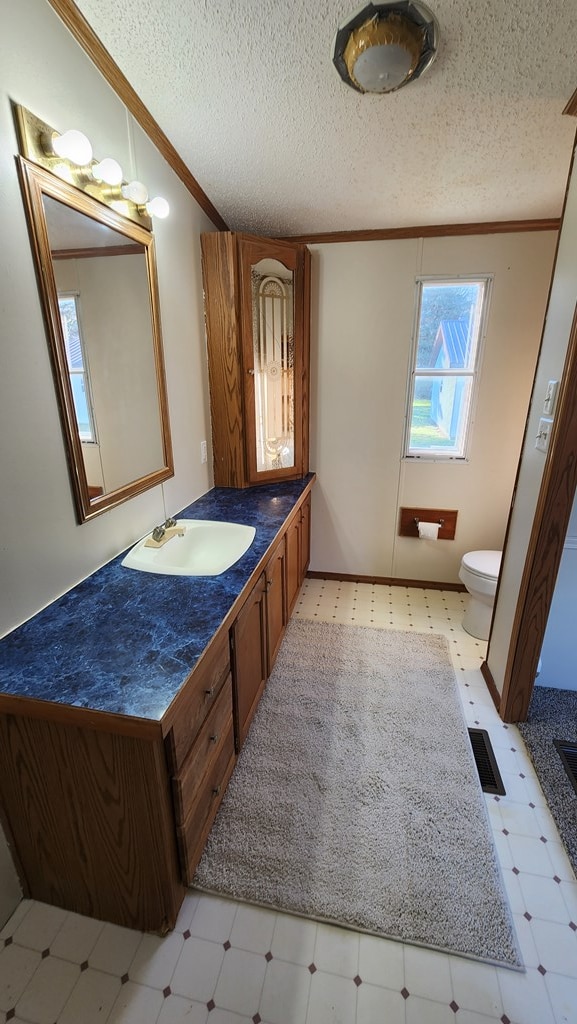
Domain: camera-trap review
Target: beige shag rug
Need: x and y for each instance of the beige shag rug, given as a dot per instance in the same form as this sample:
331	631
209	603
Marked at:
356	799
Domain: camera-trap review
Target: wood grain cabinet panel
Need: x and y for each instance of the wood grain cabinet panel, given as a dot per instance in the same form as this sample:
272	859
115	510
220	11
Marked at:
249	658
298	547
230	262
276	602
90	814
192	834
293	560
196	699
190	779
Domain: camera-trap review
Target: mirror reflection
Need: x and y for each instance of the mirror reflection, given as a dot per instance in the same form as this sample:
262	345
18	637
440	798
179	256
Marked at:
105	338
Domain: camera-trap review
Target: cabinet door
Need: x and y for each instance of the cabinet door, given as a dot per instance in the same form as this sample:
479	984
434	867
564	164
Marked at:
293	563
305	538
248	639
276	604
272	332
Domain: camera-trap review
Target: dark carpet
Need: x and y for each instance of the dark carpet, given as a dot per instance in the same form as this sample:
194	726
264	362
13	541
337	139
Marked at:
553	716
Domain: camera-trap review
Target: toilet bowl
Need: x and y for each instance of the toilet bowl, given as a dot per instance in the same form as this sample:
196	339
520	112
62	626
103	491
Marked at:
479	572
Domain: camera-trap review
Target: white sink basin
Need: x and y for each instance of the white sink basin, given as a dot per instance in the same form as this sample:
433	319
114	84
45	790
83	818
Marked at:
207	548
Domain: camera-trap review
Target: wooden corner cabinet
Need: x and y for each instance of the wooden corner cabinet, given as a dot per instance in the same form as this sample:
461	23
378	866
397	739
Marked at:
257	312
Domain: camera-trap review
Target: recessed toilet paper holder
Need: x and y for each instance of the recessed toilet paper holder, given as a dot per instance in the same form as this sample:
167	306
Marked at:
411	517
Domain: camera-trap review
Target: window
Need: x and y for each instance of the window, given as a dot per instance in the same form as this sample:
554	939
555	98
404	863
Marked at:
449	328
77	368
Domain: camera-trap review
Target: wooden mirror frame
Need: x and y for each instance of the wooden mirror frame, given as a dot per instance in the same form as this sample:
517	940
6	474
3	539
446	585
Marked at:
37	182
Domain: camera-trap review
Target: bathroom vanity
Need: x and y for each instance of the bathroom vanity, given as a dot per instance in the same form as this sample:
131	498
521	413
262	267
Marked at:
124	704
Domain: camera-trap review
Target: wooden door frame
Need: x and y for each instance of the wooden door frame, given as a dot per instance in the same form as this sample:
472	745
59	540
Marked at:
549	529
554	506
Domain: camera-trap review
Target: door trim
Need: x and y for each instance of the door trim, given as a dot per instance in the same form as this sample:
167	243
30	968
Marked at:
545	548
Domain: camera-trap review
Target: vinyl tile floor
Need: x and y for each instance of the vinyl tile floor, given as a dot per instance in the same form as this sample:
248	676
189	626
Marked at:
229	963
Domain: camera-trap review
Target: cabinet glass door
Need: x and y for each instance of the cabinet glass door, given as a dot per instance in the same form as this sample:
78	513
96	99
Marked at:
273	338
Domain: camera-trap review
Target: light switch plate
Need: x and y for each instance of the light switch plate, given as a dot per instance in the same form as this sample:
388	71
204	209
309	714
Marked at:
550	397
542	439
203	453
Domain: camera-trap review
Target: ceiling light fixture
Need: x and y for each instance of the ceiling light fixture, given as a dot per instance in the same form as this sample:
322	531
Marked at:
383	47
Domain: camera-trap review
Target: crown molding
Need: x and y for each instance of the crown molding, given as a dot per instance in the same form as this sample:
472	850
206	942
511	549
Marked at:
76	23
498	227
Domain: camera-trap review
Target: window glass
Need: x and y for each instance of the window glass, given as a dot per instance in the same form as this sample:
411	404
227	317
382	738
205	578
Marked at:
69	316
443	374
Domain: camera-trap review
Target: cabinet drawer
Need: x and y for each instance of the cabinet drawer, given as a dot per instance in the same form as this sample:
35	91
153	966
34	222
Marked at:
192	834
206	749
195	700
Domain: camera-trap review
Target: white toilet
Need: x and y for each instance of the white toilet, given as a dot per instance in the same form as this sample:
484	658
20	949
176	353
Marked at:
479	572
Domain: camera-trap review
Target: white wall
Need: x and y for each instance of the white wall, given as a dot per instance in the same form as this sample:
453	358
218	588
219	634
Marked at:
43	552
550	367
363	311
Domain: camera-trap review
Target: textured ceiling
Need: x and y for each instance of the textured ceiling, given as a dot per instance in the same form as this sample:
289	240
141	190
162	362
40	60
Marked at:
247	93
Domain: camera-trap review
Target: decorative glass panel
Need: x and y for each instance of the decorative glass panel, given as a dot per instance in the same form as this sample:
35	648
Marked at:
273	339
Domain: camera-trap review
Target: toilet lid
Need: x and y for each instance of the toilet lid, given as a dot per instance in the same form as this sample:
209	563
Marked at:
483	563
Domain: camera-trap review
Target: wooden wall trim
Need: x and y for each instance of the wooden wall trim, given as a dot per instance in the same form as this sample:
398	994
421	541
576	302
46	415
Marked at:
545	547
387	581
75	22
428	231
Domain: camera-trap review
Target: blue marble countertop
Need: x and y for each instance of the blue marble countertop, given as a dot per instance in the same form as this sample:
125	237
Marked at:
124	641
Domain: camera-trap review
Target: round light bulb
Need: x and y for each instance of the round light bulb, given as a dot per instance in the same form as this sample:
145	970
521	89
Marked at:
74	146
136	192
158	207
108	170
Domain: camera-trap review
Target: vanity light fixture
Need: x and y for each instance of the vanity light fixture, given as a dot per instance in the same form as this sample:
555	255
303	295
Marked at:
71	145
136	192
108	170
69	156
383	47
158	207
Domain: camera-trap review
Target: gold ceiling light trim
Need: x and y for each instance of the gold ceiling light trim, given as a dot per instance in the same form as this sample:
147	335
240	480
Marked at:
391	31
383	47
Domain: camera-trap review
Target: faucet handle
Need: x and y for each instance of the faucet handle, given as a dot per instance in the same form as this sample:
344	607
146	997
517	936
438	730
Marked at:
158	533
169	522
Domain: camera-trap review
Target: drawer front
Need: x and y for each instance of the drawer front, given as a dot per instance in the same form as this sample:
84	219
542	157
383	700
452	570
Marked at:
192	834
206	749
196	699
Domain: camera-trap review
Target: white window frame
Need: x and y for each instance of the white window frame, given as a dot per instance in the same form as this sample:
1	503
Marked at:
84	372
438	455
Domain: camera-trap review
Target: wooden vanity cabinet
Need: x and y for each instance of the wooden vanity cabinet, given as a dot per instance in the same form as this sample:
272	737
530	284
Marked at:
298	547
276	602
257	315
248	640
200	751
107	815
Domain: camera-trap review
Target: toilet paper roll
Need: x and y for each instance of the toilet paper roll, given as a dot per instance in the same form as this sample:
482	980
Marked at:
429	531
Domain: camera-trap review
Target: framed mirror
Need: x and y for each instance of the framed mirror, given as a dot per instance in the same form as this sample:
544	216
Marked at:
97	278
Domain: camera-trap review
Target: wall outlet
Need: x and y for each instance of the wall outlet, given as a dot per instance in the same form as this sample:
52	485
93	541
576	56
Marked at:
550	396
203	454
542	439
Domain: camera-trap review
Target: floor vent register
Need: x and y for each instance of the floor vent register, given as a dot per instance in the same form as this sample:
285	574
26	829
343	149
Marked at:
489	774
568	753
